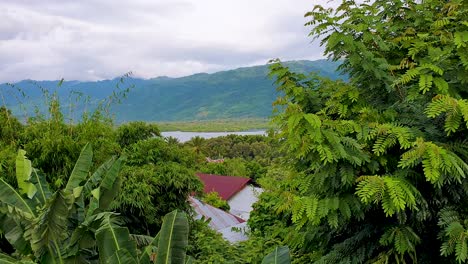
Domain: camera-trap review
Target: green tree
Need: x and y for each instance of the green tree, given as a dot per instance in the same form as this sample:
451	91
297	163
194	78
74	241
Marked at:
54	145
208	246
151	191
132	132
155	150
197	144
7	163
215	200
230	167
378	163
10	127
158	178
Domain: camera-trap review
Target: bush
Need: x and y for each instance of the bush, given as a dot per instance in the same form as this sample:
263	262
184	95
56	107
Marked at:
215	200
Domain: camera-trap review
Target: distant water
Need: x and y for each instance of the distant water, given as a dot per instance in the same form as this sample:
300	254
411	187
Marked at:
186	136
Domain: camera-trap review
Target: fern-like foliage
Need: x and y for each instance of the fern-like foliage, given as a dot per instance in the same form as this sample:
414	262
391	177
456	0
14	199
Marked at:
387	148
395	194
455	110
403	239
455	234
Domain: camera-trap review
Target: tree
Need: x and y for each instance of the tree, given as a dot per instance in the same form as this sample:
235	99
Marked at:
133	132
197	144
213	198
158	179
54	145
151	191
10	127
379	162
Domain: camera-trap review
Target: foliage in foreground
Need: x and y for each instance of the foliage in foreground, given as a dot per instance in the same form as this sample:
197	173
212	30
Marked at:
54	145
49	226
377	168
73	225
83	227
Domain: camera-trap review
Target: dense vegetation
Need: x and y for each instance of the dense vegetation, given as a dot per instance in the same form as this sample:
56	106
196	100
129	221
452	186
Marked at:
248	156
153	177
234	94
376	167
367	170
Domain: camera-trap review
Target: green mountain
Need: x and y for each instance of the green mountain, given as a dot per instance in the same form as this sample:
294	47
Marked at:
240	93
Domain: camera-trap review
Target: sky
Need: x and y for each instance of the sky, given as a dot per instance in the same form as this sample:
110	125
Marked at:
103	39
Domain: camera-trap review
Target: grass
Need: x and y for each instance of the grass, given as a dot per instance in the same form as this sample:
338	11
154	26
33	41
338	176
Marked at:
220	125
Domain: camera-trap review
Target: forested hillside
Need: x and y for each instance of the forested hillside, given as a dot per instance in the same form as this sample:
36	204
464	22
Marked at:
240	93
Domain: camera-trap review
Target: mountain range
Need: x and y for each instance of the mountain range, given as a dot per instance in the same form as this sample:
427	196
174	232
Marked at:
239	93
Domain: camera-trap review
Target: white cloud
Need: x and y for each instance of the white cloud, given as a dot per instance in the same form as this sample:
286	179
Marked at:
90	40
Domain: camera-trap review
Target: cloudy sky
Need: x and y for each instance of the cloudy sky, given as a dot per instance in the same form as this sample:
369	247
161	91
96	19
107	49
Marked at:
101	39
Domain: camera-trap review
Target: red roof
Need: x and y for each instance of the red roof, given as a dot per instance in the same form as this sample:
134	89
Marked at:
225	186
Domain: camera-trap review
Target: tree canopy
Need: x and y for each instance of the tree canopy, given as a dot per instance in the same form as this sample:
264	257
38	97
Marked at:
377	164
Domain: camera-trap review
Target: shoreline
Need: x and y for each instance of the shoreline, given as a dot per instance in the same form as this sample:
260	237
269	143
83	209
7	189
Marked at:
225	126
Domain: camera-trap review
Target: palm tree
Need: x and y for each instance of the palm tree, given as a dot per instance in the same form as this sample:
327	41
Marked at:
172	141
197	144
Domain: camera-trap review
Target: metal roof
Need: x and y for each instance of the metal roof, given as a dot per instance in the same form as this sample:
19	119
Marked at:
220	220
225	186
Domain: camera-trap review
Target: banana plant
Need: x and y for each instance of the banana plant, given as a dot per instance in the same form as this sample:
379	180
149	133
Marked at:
73	224
39	223
279	256
167	247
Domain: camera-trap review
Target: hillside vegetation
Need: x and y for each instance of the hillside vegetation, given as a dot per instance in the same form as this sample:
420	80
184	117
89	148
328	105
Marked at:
240	93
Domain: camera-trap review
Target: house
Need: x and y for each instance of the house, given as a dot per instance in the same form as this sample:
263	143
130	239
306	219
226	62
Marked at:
237	191
230	226
209	160
240	196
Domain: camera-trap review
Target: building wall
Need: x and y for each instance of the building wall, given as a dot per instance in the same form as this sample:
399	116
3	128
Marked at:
241	203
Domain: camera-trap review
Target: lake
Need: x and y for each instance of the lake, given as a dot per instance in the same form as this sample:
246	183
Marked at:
186	136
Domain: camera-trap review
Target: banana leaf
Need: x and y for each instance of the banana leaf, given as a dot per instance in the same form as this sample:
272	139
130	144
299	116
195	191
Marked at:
142	240
150	251
9	196
51	227
83	237
122	256
110	185
23	174
173	239
5	259
81	170
13	231
96	177
42	186
279	256
112	239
